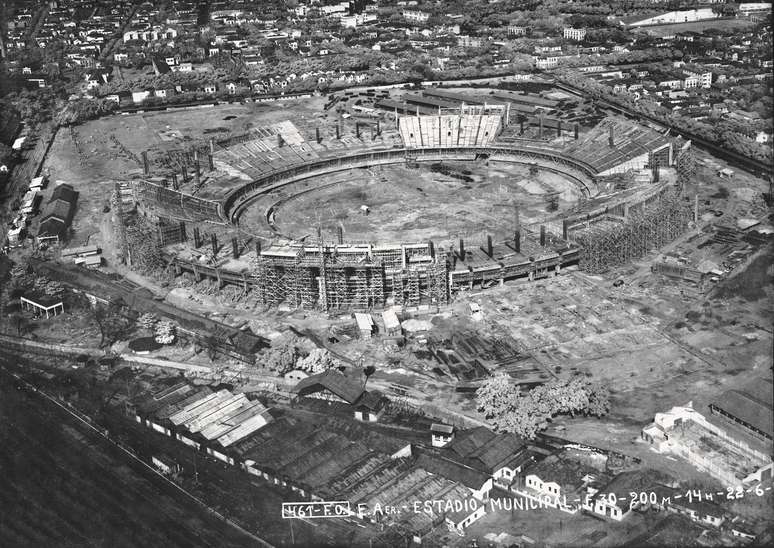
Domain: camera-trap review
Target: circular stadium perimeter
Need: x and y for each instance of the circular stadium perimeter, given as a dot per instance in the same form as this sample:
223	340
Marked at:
409	195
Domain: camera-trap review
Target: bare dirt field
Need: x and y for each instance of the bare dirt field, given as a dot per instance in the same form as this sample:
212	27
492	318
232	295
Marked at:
699	26
406	204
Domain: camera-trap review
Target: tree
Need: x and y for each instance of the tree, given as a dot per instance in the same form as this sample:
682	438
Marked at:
526	414
599	400
368	371
283	357
165	332
496	396
112	323
318	361
211	345
20	322
147	321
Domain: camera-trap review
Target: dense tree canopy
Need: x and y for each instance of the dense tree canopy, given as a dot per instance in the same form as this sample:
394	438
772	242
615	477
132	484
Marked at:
511	410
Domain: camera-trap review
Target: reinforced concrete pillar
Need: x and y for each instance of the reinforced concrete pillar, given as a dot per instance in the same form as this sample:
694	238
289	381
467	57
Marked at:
542	235
489	249
197	238
145	166
210	163
696	210
462	250
338	131
175	184
197	176
212	146
235	247
575	130
317	135
431	249
564	229
340	232
559	128
257	248
378	127
540	127
517	240
357	130
184	174
183	235
214	242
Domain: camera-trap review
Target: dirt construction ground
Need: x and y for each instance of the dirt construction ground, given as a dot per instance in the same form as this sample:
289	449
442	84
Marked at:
407	205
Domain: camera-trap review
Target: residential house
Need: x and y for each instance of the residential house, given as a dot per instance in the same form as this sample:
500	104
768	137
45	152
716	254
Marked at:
441	434
574	34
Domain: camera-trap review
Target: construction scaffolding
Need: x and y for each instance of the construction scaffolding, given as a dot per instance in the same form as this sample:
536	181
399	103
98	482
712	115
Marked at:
343	277
609	241
686	165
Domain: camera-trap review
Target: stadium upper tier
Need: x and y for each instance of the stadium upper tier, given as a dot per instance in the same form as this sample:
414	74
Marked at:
616	145
449	130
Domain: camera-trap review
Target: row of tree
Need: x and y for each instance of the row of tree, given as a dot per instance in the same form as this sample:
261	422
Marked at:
287	355
527	413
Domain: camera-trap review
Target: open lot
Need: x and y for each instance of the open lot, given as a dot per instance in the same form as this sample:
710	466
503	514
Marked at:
699	26
406	204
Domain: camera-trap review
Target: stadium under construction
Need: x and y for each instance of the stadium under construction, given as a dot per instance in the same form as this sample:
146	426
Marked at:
605	229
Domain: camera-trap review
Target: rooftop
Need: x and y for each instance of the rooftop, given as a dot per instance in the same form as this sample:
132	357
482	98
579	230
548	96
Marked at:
751	404
333	380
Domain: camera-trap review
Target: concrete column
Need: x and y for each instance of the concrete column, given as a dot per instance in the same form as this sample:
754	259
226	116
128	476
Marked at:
257	248
338	131
145	165
542	235
235	247
517	240
462	250
214	242
210	162
696	210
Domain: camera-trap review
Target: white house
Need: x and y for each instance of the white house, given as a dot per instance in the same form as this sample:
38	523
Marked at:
139	96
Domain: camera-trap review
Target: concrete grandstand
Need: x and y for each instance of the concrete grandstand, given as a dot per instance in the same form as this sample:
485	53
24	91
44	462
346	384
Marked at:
363	275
